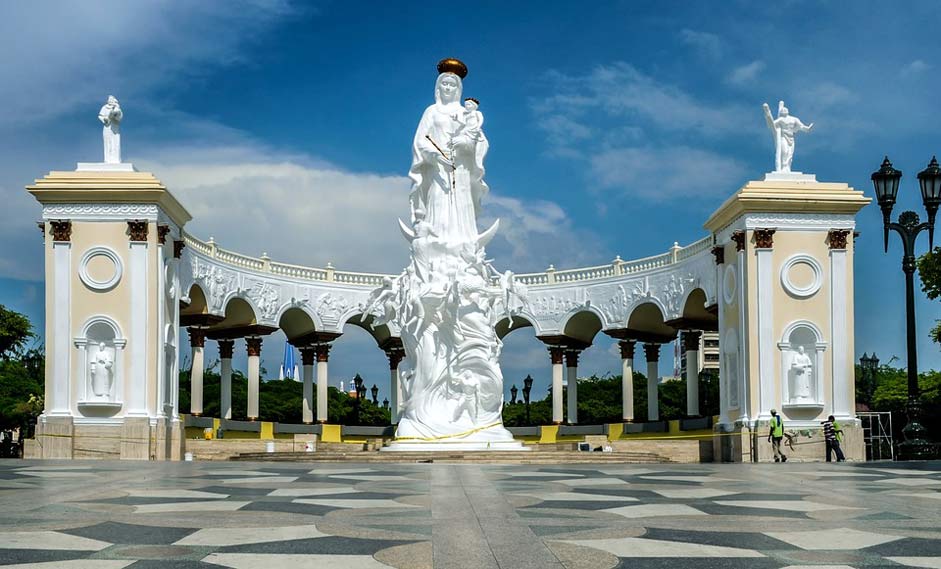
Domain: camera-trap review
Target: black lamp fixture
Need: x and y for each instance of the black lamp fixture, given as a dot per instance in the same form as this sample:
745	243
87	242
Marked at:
513	392
375	394
385	403
886	183
527	389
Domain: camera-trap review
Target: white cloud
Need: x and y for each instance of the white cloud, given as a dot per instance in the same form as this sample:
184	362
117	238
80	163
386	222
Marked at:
709	45
916	67
746	74
662	174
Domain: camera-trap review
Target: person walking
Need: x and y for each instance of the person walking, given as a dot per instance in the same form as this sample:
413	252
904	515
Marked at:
775	435
832	433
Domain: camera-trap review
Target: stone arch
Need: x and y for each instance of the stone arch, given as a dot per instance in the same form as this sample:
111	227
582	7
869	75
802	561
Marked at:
380	333
647	317
234	311
194	301
582	324
694	304
520	320
298	314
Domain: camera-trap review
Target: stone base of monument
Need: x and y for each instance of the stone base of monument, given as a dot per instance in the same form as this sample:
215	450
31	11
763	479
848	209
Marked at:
455	445
105	167
798	177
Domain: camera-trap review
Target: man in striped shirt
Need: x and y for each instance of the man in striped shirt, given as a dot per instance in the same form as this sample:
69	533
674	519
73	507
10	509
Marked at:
832	433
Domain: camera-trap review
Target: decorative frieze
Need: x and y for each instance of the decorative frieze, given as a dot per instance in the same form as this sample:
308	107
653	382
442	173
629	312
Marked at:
764	238
837	238
61	230
137	229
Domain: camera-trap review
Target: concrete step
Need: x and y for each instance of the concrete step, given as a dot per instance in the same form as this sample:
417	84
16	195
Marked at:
481	457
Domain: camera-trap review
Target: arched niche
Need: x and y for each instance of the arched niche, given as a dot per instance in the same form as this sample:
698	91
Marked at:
802	348
100	386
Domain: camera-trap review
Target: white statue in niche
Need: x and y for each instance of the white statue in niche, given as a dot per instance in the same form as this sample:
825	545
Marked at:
802	369
110	116
784	128
101	370
450	296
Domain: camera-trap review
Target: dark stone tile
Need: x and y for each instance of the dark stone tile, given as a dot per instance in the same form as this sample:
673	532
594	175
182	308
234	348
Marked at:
114	532
908	547
741	540
565	505
170	564
14	556
239	491
287	507
542	530
884	516
323	545
717	510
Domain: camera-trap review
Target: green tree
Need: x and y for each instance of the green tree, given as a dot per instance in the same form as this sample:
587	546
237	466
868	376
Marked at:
15	331
929	270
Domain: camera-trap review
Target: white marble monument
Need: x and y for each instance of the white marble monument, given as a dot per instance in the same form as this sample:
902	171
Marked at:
110	116
447	301
784	129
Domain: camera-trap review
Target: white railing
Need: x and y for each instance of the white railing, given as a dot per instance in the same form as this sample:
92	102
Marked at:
550	276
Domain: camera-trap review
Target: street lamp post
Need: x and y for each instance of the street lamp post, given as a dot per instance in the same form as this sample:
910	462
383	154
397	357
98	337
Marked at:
869	365
360	394
513	392
886	183
527	388
375	394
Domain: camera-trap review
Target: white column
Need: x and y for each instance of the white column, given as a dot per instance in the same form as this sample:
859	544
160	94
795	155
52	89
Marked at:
843	387
253	347
766	374
307	405
59	401
571	361
691	345
160	345
226	347
555	353
138	338
174	387
323	356
652	351
627	379
395	358
197	343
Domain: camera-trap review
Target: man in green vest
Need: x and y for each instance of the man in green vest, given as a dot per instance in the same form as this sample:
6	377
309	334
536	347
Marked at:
775	434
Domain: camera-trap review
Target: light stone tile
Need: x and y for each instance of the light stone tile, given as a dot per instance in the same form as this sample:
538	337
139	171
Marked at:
234	472
640	547
217	506
374	478
919	495
53	468
701	479
911	481
365	503
49	540
627	470
74	564
789	505
576	497
171	493
537	474
906	472
259	479
56	474
839	472
690	493
928	562
840	538
654	510
292	561
817	567
593	482
220	537
10	484
313	491
332	471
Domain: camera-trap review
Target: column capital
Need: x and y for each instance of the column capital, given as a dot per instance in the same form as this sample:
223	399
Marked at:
627	349
308	355
61	229
556	353
395	356
691	340
739	238
162	230
571	358
253	346
137	229
652	351
719	253
197	337
764	238
323	352
836	238
178	249
226	349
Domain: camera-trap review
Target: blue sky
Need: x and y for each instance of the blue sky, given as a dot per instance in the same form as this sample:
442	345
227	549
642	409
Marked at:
615	128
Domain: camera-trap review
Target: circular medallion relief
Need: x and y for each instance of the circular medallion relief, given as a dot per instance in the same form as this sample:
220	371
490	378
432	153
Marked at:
728	284
100	268
802	276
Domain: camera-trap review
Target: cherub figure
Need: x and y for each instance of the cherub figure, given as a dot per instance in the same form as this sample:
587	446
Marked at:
473	118
384	297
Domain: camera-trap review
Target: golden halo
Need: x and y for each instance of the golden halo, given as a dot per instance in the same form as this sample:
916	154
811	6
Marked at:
452	65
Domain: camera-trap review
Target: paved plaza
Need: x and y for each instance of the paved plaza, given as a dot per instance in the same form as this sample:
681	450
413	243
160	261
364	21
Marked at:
111	515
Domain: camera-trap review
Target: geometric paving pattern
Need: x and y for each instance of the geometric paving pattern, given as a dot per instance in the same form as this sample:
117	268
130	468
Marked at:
113	515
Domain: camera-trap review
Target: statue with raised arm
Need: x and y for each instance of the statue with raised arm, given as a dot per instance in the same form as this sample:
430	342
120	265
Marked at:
110	116
784	128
